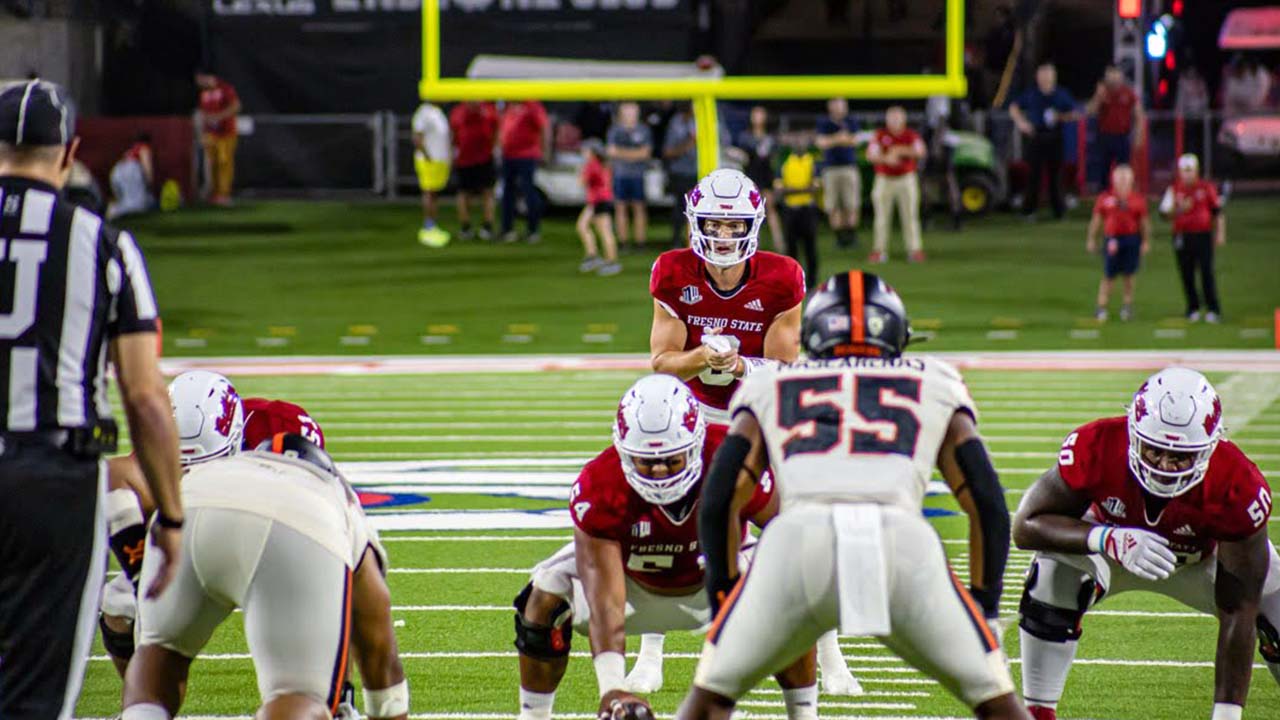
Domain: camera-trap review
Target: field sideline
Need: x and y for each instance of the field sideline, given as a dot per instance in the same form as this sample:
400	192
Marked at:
474	466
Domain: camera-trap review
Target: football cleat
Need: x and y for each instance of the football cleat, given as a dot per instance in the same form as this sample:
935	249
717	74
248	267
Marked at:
724	195
660	420
1175	411
209	416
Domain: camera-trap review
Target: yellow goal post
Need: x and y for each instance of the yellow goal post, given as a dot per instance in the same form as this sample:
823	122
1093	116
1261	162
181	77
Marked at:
702	91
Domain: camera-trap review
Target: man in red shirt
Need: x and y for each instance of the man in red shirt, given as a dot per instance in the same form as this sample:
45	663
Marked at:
219	106
1196	210
474	126
895	151
523	133
1120	117
1154	501
1122	214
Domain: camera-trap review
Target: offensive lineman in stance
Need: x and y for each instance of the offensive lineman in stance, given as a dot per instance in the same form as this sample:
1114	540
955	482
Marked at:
1154	501
722	310
633	566
853	435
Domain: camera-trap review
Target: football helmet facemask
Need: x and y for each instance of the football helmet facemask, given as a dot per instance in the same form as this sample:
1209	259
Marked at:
209	416
724	195
659	419
1175	412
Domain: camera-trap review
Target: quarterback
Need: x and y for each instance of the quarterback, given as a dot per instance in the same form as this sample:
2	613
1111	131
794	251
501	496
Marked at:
853	435
634	564
1156	500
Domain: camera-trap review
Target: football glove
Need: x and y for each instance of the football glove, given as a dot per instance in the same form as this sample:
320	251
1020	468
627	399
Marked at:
1141	552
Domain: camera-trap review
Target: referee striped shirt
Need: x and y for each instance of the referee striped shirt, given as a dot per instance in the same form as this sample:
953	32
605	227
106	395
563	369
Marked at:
68	285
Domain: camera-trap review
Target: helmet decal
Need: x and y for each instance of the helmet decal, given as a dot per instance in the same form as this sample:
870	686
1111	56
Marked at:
623	429
691	416
1139	406
755	198
695	195
230	401
1214	417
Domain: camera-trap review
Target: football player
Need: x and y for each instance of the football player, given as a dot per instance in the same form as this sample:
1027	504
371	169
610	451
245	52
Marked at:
280	533
721	310
853	435
1156	500
633	566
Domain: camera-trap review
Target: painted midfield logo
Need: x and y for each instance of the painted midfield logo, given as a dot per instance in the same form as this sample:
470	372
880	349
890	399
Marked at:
690	295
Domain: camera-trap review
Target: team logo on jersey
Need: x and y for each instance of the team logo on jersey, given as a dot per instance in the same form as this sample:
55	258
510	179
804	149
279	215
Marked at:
1184	530
689	295
641	529
1114	506
755	305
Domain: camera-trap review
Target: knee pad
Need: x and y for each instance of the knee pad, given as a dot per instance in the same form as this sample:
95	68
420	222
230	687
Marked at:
118	644
1268	640
545	642
1050	622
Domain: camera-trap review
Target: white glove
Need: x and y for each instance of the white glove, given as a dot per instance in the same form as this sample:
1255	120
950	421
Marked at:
1141	552
719	344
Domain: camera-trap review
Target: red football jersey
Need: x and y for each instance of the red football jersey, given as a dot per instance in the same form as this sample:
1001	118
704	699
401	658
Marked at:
1121	217
657	550
264	418
886	140
772	285
1231	503
1204	203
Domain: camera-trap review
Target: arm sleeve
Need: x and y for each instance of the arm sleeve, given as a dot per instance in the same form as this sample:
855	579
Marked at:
133	305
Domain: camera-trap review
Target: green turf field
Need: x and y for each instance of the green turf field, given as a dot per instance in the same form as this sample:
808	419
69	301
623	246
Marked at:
331	277
497	450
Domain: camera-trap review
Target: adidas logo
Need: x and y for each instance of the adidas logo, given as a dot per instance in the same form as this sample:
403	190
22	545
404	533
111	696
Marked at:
1184	530
755	305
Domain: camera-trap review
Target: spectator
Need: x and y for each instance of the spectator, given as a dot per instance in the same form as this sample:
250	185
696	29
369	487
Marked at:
219	106
598	211
1193	204
629	150
523	134
680	153
132	178
754	149
1119	115
1121	214
1245	87
1039	113
796	188
1193	94
475	127
841	184
431	153
895	151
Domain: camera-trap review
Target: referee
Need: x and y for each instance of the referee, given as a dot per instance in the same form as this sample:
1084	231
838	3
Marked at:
71	289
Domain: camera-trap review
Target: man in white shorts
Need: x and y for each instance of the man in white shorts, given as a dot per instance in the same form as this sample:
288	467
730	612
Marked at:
853	435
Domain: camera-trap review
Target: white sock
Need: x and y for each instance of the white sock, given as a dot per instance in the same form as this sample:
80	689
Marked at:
533	705
145	711
1044	668
802	703
651	648
122	510
830	659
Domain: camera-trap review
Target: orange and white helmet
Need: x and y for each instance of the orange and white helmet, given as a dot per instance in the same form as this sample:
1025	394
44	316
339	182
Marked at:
209	415
1175	410
725	194
658	417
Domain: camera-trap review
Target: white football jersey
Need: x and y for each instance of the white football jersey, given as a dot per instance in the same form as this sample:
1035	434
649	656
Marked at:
855	429
284	489
430	122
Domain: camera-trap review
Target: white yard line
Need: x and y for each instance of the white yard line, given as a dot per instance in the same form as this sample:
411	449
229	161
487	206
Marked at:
1246	396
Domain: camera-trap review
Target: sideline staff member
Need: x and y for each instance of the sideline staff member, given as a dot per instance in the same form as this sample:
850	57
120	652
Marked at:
73	286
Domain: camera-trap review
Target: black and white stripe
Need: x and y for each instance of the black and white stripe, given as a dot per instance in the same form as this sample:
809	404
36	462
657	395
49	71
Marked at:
79	283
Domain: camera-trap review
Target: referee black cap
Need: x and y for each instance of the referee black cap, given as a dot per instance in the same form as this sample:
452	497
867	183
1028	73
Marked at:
36	112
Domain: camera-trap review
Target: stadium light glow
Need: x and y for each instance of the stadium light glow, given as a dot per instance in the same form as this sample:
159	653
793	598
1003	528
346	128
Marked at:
1157	41
1129	9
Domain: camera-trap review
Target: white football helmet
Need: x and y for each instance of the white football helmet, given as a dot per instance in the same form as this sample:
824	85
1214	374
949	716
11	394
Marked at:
724	194
209	415
1175	410
658	417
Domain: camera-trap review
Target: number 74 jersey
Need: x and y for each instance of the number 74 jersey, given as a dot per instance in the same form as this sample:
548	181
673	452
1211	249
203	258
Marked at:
855	429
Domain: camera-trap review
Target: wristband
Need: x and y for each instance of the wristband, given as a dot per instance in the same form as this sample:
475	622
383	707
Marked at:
1227	711
611	671
167	522
1097	540
388	702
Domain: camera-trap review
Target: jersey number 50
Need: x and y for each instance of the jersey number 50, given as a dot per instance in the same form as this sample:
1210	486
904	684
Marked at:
825	418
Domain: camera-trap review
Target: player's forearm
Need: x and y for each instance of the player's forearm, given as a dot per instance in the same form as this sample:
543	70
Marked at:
1233	665
1052	533
608	627
150	417
684	364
